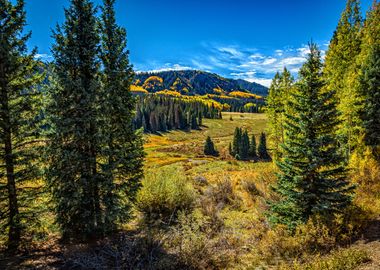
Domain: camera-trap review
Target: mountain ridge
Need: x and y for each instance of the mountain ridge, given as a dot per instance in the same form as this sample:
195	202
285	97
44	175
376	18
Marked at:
195	82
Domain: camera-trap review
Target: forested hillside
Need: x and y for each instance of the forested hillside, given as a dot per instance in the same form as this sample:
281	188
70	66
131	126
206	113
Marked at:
195	82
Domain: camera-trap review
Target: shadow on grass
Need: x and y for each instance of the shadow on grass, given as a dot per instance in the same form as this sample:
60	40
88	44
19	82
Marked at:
125	250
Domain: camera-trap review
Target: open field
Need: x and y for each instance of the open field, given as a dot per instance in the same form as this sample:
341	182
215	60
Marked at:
182	147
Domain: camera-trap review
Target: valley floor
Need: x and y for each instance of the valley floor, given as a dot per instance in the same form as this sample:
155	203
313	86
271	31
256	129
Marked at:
183	151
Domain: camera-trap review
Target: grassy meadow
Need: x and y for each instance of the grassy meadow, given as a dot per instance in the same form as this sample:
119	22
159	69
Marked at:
187	147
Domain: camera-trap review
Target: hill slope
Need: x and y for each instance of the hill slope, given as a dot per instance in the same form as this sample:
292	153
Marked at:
194	82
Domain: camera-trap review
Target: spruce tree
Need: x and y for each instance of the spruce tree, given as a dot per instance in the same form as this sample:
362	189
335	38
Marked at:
200	119
252	147
209	148
341	70
122	146
194	121
370	88
236	142
312	179
368	79
74	138
19	128
262	148
244	145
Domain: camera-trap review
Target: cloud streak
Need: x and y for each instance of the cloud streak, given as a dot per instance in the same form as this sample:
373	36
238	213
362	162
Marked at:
43	57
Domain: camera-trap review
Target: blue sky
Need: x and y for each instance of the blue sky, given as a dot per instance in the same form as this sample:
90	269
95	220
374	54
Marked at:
247	39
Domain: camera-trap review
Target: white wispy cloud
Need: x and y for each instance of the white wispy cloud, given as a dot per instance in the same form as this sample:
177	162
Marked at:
279	52
233	52
251	76
167	67
43	56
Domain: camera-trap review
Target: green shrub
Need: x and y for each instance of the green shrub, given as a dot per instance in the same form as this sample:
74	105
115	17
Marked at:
164	192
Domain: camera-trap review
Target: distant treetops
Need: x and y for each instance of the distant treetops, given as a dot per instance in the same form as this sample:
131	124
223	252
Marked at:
161	113
242	147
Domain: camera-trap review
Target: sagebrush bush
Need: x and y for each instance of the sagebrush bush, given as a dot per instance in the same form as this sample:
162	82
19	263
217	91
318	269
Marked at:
164	193
345	259
250	187
280	243
222	192
198	246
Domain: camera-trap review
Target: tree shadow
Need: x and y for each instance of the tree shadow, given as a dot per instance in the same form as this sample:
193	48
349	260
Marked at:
40	258
124	250
371	232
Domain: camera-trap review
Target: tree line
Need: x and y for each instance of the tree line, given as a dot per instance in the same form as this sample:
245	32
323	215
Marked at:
160	113
242	147
77	133
242	105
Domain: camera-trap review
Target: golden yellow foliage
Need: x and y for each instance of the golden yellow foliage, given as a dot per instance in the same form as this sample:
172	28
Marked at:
219	91
138	89
154	79
240	94
152	82
169	93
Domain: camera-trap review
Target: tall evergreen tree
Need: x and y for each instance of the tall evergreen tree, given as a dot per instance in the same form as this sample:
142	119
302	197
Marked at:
19	114
244	145
209	148
252	147
370	87
369	78
73	173
312	179
122	146
236	142
341	70
262	148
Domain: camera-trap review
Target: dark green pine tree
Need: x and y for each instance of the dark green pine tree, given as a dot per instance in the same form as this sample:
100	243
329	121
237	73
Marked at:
252	147
262	150
209	148
200	119
19	114
73	173
236	142
194	121
244	146
370	88
312	177
122	146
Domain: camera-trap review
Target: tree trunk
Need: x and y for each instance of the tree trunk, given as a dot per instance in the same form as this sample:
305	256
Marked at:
14	232
14	224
